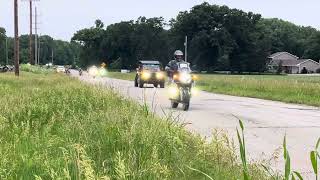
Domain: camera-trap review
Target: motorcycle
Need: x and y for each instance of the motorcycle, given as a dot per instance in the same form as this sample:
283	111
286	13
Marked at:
181	86
67	71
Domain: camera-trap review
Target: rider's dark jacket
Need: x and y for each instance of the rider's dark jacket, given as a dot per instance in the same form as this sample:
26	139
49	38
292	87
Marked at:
172	67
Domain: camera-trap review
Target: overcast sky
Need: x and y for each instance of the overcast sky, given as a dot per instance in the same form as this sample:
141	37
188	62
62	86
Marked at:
62	18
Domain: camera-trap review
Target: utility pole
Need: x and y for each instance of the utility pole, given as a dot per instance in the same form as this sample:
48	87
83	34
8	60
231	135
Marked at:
39	50
186	49
36	38
16	39
52	56
7	62
31	60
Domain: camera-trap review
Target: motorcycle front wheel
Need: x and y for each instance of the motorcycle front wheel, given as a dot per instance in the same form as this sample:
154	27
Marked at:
186	106
174	104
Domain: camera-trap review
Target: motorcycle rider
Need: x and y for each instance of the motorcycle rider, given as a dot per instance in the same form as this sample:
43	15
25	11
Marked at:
80	72
173	64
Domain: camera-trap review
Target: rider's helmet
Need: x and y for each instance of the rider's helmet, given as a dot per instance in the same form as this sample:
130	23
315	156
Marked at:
178	55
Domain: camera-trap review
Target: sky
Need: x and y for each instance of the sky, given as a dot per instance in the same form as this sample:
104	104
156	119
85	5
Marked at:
62	18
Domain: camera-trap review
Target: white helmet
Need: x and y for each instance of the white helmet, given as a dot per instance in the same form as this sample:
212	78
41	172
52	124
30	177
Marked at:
178	55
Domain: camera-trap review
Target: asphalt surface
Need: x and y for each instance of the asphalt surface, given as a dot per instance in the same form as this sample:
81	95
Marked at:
266	122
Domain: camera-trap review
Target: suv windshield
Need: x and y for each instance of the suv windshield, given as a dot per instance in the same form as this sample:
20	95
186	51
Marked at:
151	66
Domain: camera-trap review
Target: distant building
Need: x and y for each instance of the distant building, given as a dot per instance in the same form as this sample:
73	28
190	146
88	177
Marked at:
291	64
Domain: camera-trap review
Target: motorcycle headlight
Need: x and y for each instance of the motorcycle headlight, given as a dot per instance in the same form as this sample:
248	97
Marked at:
93	71
102	72
159	75
195	91
195	77
173	91
146	75
185	78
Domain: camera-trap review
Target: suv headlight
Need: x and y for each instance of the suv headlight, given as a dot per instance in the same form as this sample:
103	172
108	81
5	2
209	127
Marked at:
145	75
159	75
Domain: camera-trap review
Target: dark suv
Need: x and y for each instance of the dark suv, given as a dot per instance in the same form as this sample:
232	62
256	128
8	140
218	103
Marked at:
149	72
4	68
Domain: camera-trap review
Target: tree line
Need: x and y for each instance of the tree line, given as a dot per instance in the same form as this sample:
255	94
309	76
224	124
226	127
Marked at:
220	39
64	53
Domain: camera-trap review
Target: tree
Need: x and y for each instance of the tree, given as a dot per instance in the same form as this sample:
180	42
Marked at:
219	38
280	67
129	41
2	45
304	70
312	49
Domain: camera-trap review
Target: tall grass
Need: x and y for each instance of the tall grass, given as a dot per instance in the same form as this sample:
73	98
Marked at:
314	157
35	69
242	147
54	127
288	173
124	76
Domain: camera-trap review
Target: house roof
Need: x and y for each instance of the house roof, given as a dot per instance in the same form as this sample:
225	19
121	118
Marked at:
301	61
280	53
290	62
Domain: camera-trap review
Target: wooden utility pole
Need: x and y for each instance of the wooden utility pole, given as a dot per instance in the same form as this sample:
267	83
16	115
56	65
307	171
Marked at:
16	39
36	37
31	60
186	49
7	61
52	56
39	49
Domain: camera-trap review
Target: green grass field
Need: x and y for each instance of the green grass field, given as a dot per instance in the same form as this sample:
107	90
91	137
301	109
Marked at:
55	127
124	76
290	89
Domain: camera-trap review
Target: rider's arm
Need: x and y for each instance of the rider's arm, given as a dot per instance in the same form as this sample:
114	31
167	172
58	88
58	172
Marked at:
169	66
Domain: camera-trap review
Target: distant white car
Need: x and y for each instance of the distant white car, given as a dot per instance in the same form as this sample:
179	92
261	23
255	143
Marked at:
61	69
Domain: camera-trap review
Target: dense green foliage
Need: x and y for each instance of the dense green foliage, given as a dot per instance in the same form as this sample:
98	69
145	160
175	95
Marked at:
36	69
2	46
220	38
63	52
53	127
122	44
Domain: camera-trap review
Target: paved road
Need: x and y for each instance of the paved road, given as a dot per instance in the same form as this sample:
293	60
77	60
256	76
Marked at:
266	122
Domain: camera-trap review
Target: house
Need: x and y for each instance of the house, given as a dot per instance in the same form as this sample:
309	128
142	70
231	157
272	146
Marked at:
291	64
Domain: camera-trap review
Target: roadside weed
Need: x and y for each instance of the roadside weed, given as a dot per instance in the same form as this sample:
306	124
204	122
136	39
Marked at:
314	157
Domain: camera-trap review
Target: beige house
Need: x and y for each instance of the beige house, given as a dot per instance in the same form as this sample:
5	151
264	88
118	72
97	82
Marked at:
291	64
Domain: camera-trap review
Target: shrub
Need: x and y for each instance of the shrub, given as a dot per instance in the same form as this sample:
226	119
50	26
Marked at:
304	70
280	68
